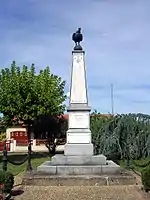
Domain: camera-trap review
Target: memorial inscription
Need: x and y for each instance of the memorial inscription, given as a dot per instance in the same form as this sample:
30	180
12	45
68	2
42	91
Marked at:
79	120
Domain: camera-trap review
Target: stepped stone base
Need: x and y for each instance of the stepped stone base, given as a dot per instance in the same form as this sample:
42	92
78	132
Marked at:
36	178
78	165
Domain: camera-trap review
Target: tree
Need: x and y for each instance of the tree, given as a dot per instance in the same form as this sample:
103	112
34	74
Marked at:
26	96
2	125
121	136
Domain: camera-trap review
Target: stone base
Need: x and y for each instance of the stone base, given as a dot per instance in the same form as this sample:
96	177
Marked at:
48	168
77	160
78	149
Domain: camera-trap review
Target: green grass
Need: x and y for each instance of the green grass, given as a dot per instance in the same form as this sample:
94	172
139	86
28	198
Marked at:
142	161
16	169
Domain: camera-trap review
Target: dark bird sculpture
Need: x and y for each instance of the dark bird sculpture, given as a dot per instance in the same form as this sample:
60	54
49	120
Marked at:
77	37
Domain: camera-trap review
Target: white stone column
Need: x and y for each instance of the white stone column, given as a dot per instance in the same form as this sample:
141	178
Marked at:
14	145
78	134
34	142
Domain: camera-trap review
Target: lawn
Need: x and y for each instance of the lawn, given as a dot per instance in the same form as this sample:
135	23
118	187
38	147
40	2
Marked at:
16	169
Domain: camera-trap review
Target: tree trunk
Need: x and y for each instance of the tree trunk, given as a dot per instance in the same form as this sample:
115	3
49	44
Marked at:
29	167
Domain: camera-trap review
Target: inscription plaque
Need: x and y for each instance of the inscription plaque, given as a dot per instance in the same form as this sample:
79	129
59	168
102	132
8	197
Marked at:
79	120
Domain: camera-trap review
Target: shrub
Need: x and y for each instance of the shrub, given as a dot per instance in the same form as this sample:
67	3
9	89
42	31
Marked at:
127	136
146	178
2	136
7	179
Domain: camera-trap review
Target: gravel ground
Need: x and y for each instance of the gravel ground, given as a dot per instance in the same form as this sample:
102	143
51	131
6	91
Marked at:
121	192
82	193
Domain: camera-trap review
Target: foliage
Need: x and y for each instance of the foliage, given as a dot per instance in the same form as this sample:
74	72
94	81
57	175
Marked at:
2	136
146	178
26	96
50	128
7	179
136	165
54	126
2	125
127	136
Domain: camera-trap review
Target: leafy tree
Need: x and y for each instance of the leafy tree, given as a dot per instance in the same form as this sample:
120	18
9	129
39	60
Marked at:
26	96
51	128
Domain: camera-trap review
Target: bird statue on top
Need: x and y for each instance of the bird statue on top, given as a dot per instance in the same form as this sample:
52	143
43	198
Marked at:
77	37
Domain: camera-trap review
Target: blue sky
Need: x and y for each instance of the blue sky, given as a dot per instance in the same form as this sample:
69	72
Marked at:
116	41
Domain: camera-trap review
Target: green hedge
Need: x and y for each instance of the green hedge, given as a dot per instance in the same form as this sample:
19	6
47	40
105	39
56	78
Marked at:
146	178
6	179
123	136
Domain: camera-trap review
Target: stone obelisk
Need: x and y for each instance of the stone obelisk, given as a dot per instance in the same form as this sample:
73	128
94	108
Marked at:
78	134
78	158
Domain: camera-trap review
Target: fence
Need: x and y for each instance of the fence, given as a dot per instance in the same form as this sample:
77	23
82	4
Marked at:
13	145
22	145
23	142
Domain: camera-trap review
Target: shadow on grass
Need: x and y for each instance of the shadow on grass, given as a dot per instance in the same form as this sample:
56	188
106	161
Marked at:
21	156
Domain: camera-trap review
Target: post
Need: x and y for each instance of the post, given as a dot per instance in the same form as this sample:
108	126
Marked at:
112	99
4	159
29	167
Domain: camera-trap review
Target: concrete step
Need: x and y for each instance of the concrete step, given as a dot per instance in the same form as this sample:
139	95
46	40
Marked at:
49	168
82	180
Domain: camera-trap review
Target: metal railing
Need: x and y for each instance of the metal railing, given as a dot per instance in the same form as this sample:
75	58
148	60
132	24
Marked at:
6	159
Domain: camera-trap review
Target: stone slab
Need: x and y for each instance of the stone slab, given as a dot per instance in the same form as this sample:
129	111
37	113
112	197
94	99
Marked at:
36	178
78	136
78	160
47	169
78	149
78	107
110	168
79	119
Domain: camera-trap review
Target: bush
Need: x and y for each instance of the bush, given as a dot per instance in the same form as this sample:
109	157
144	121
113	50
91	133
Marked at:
146	178
127	136
2	136
7	179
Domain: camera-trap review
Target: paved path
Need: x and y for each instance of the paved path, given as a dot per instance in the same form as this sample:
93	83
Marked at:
82	193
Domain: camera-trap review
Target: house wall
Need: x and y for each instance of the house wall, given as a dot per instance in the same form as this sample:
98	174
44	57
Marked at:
18	134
